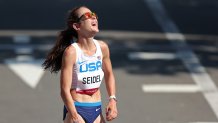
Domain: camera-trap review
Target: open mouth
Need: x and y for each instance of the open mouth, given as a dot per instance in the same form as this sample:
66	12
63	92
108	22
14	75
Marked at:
94	24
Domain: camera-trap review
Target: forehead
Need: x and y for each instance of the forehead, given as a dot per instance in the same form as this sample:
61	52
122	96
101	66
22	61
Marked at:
82	10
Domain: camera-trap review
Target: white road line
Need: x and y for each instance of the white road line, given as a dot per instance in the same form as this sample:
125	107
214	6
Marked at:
171	88
21	39
24	50
27	68
151	56
190	60
23	58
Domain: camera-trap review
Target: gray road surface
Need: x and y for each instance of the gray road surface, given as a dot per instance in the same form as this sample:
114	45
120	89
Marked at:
143	56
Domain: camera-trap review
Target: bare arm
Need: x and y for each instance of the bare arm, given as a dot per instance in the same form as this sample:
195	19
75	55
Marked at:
66	80
109	82
107	68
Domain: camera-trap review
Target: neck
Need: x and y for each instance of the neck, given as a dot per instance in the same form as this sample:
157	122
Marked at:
86	43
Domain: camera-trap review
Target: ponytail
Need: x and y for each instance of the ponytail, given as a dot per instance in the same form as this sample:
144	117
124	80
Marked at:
53	61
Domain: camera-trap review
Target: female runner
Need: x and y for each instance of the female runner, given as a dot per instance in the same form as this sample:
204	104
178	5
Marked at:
83	62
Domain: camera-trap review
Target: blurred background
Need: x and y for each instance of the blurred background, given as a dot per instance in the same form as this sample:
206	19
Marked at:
164	55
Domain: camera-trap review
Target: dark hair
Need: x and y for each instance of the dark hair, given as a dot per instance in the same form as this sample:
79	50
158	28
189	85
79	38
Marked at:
53	60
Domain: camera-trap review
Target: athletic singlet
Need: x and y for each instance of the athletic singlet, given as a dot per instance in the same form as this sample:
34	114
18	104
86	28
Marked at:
87	72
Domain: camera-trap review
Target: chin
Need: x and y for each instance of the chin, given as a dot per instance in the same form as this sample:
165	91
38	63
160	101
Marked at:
95	30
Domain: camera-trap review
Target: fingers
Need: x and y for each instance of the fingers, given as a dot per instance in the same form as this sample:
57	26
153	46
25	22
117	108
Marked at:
111	114
77	119
111	111
107	109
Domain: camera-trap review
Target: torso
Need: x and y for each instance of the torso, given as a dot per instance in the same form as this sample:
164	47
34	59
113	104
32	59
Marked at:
87	75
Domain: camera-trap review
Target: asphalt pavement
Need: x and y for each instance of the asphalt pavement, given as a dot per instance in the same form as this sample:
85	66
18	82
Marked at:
164	56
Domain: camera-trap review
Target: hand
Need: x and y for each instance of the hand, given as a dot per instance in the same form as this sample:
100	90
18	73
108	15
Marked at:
76	121
75	118
111	110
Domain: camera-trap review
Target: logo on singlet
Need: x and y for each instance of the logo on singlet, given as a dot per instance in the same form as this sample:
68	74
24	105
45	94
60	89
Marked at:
82	62
99	57
89	67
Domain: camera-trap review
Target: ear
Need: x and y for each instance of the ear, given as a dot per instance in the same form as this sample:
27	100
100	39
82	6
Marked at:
76	26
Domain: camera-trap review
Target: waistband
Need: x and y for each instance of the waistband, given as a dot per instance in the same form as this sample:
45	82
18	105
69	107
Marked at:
87	103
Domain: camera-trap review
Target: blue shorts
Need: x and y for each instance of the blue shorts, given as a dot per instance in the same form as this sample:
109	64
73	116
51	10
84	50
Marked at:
88	111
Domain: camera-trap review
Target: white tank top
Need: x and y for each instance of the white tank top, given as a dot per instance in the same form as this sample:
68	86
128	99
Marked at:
87	72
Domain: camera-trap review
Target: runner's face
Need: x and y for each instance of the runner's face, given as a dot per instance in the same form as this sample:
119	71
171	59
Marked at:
88	21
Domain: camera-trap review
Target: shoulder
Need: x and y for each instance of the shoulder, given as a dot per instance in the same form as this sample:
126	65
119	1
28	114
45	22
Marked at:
104	49
70	51
103	45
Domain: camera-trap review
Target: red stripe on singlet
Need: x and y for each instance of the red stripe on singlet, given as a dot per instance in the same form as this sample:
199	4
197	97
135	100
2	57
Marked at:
88	91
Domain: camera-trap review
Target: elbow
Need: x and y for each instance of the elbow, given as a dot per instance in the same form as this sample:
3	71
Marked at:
64	93
108	73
